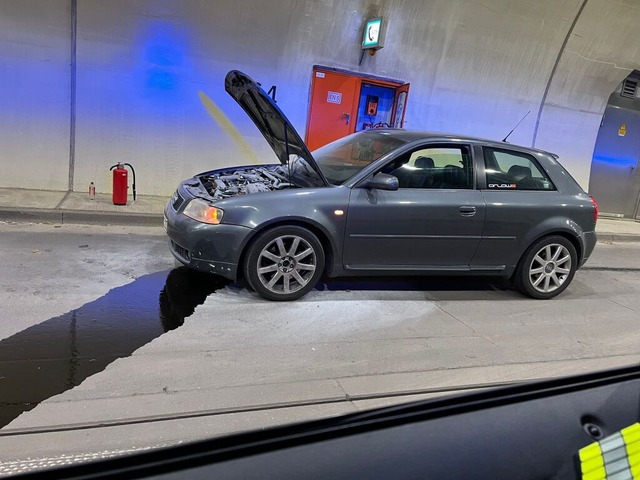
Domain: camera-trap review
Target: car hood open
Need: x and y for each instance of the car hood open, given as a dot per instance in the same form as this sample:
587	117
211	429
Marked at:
272	123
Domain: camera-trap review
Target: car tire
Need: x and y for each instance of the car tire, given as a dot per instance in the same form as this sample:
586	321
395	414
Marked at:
284	263
547	267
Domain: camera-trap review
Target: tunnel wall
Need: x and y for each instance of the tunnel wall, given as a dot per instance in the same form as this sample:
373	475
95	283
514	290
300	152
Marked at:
602	50
149	82
35	54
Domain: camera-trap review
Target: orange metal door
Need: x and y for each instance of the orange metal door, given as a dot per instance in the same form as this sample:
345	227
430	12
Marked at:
333	109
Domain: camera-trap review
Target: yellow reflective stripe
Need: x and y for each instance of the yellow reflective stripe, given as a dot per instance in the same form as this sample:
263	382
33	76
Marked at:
592	463
633	448
598	474
631	436
590	451
632	433
635	469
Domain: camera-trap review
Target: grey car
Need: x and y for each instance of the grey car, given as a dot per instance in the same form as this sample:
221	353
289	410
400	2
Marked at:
381	202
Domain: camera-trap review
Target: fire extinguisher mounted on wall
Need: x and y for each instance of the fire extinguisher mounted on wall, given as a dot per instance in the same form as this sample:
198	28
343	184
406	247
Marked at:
121	183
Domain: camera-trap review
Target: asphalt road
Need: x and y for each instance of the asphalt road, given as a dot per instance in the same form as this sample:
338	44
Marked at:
106	347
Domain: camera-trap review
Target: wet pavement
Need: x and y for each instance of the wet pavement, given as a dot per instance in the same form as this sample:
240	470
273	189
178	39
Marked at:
60	353
136	366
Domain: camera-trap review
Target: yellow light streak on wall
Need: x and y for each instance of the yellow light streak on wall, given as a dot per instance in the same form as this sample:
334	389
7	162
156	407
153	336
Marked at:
229	128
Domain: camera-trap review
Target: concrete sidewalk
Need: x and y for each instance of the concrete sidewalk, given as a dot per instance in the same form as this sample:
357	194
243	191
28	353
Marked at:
44	206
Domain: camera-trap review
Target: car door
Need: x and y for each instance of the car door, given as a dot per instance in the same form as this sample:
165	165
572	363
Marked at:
433	221
517	191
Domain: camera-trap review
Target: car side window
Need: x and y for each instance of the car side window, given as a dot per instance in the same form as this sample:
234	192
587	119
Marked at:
511	170
434	167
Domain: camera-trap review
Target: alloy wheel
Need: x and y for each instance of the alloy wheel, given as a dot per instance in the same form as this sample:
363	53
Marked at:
550	268
286	264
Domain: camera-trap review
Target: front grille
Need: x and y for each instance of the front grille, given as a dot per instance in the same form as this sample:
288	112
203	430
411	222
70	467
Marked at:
183	252
176	201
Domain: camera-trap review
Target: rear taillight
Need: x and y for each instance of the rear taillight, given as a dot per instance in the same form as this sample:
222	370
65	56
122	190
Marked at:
595	209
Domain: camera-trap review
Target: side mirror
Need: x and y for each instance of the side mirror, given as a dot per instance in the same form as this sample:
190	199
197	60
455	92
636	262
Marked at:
382	181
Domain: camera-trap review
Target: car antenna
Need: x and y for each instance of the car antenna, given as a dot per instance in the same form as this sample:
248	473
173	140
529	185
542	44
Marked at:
514	128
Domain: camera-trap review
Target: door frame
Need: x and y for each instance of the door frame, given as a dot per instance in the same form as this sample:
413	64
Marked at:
362	78
605	146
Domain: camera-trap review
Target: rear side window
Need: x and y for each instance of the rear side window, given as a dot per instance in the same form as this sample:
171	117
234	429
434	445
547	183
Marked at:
510	170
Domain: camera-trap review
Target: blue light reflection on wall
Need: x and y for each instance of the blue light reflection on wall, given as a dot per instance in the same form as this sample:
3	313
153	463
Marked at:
164	49
146	78
615	161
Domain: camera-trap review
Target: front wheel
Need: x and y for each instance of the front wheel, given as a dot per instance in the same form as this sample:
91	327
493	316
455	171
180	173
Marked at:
284	263
547	267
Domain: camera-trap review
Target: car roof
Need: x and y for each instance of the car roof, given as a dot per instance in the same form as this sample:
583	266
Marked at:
416	135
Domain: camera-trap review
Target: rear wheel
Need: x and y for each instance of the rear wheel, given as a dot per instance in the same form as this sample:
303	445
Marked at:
547	267
284	263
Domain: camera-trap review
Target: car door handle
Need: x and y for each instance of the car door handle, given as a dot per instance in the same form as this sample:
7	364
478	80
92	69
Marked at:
467	211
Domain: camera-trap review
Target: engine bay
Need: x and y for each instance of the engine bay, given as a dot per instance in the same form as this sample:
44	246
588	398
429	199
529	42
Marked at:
244	181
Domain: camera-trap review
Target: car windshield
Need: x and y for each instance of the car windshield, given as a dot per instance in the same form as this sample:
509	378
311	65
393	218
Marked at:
342	159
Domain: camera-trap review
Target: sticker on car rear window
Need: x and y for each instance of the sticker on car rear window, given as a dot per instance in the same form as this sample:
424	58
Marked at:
502	185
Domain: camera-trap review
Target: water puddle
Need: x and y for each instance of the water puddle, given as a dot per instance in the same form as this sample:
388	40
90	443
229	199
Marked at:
60	353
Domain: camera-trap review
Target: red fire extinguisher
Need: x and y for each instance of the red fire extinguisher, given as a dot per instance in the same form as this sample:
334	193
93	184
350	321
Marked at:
121	183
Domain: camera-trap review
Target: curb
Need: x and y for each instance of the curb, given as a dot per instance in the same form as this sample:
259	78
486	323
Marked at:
83	217
606	237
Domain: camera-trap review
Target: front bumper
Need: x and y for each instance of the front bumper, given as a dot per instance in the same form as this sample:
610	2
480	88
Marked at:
209	248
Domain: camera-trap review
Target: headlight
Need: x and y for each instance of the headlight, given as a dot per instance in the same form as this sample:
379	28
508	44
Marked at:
202	212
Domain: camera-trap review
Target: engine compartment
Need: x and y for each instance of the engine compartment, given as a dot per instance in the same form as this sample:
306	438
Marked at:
244	181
